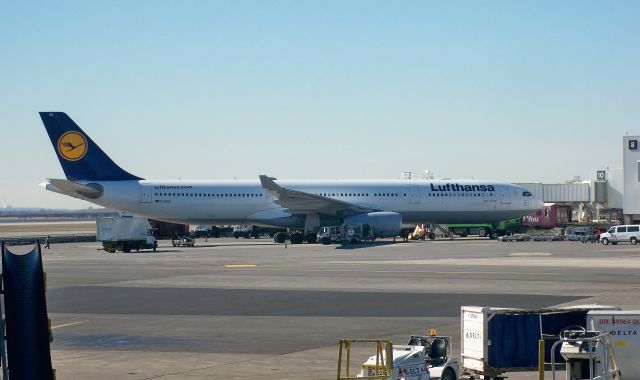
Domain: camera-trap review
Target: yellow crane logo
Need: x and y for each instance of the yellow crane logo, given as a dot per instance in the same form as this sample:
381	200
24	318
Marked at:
72	146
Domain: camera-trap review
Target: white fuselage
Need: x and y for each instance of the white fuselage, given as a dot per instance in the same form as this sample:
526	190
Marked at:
247	202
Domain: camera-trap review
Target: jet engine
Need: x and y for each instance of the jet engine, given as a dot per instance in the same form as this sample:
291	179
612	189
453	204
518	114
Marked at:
382	224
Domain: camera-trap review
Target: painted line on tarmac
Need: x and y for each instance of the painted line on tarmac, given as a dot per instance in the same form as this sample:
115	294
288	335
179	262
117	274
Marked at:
68	324
236	266
405	271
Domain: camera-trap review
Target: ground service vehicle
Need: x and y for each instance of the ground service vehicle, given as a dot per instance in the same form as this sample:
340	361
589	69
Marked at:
182	241
422	357
245	231
516	237
205	231
550	216
125	233
621	234
437	356
345	234
408	364
491	230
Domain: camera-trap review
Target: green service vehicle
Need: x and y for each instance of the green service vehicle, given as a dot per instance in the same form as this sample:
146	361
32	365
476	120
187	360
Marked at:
490	230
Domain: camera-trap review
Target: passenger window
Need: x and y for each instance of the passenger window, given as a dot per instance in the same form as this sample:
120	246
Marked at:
622	229
633	229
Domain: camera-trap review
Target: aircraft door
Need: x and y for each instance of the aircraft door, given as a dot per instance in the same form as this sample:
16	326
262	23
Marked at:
268	197
506	196
145	193
414	195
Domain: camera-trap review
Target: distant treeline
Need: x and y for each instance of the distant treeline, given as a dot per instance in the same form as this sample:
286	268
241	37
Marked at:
52	213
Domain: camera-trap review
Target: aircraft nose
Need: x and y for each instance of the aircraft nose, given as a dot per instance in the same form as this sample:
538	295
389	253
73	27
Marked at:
537	204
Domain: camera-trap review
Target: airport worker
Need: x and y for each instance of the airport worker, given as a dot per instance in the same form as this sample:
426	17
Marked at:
46	242
424	233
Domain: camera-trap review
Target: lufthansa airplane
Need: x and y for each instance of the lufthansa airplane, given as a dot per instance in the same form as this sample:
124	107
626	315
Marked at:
386	205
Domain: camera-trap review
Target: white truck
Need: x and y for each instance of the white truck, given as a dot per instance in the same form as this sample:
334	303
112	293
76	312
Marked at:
125	233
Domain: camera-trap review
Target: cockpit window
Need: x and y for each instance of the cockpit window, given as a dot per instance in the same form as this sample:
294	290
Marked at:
527	194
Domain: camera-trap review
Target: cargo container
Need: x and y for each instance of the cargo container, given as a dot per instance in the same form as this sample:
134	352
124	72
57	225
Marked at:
499	340
624	327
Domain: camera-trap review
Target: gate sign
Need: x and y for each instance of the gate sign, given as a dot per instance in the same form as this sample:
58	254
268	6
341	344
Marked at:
601	175
633	144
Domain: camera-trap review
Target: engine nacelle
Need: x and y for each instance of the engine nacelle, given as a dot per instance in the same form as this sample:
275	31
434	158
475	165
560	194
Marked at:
382	224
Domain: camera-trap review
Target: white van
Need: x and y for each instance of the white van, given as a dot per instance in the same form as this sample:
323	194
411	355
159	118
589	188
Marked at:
617	234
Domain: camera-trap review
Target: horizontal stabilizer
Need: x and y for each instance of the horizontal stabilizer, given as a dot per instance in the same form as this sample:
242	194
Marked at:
74	189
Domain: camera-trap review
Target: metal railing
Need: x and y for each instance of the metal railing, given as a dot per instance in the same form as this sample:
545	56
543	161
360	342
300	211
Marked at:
609	358
383	365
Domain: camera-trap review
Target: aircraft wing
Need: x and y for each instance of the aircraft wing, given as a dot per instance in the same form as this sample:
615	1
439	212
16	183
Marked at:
300	202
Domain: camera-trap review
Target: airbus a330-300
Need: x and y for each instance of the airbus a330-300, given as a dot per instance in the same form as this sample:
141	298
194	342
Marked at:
305	205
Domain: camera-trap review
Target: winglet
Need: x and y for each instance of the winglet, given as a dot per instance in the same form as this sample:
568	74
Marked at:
269	184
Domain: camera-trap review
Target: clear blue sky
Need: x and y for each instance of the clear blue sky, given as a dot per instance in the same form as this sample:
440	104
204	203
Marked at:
506	90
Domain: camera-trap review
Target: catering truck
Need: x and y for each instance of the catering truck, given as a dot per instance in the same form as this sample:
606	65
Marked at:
125	233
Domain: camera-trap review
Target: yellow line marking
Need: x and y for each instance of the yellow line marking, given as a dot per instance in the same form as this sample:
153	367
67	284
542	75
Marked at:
68	324
239	265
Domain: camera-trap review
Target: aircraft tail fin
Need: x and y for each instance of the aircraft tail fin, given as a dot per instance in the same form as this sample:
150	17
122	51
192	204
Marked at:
80	157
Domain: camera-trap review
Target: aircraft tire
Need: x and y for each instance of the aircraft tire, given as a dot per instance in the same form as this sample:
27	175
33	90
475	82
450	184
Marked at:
431	236
296	238
311	238
448	374
280	237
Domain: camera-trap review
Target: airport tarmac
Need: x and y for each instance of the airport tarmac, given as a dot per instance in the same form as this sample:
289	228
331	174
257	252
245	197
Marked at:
246	309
